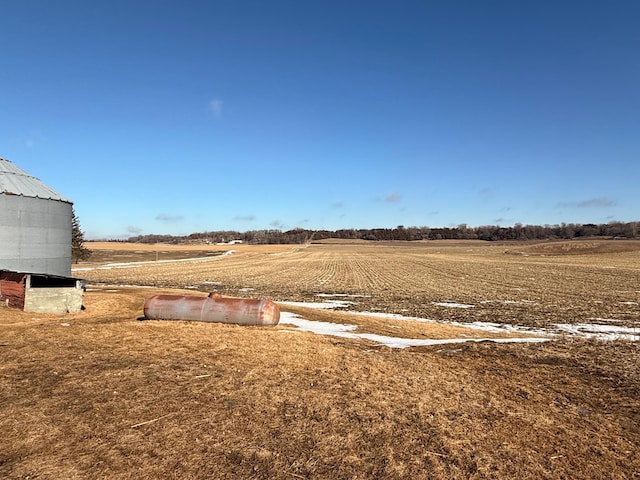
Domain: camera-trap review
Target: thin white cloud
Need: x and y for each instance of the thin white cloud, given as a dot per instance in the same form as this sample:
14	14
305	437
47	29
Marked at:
165	217
245	218
601	202
215	106
32	140
393	198
597	202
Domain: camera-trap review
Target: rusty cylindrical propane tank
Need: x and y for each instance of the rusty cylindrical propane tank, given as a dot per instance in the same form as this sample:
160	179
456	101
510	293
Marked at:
214	308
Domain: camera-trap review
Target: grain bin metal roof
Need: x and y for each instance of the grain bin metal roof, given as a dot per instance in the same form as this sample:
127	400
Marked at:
15	181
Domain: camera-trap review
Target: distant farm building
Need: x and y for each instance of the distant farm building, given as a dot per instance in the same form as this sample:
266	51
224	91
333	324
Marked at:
35	245
231	242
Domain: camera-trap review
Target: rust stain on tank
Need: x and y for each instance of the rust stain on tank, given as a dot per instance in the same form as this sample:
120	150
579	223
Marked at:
214	308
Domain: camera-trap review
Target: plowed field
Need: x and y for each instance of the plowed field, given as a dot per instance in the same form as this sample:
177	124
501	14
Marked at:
532	290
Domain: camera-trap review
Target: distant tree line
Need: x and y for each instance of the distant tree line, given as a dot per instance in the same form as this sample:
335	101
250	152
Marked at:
461	232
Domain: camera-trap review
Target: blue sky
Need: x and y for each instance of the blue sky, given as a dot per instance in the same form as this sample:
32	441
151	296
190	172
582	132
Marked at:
175	117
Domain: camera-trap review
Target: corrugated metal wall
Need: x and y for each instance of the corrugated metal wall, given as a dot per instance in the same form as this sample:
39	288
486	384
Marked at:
35	235
12	289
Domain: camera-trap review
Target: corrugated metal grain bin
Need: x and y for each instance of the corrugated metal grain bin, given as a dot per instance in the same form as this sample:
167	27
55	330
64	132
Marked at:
214	308
35	224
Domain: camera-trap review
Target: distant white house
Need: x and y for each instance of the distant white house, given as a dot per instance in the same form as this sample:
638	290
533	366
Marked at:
232	242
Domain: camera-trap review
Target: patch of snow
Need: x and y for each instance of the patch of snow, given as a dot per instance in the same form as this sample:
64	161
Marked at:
601	332
347	331
338	295
486	326
499	327
322	328
326	305
110	266
452	305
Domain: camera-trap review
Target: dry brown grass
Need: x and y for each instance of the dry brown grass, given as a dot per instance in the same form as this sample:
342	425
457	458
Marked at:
112	397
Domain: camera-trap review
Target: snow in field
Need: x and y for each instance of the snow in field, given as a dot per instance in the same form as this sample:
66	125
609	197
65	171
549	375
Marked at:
584	330
500	328
338	295
452	305
326	305
110	266
602	332
347	331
